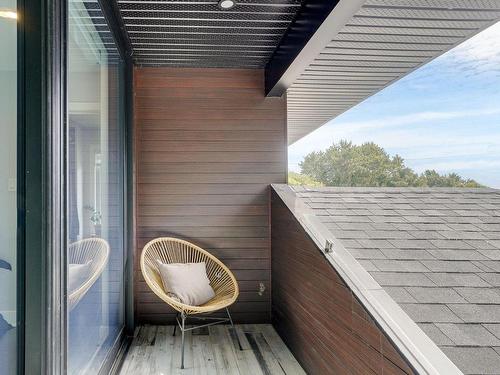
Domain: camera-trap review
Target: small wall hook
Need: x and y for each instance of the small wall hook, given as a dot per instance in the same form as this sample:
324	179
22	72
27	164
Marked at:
262	289
328	246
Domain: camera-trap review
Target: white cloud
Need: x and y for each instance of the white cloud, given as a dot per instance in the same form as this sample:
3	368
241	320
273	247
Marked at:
485	45
480	53
413	118
476	58
362	131
450	166
417	139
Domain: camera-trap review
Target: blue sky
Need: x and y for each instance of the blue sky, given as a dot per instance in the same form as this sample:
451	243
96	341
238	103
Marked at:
443	116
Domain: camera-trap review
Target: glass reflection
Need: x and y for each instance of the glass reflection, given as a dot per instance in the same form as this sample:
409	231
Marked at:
94	191
8	205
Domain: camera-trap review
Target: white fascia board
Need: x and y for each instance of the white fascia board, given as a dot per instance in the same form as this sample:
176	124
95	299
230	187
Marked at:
337	18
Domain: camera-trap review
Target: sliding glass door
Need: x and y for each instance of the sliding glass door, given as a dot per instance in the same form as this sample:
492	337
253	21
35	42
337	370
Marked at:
8	185
95	186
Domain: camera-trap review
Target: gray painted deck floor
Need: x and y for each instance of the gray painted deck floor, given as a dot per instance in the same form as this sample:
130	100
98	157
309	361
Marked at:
250	349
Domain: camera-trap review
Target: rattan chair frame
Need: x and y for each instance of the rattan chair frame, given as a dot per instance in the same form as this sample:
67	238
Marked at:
175	250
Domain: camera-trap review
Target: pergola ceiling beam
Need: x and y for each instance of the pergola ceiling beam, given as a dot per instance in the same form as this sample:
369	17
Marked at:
313	28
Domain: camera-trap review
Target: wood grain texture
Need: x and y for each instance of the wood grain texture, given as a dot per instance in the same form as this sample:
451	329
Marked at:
316	314
208	145
250	349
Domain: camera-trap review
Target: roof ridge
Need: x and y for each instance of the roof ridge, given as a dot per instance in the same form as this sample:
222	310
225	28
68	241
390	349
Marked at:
375	189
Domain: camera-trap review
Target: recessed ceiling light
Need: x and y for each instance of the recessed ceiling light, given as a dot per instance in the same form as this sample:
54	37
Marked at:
226	4
8	14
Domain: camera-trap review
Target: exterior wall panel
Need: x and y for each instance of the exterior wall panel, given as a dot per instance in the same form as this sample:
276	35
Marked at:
316	314
208	144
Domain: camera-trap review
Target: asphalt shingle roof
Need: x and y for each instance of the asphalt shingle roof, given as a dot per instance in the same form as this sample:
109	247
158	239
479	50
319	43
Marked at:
437	254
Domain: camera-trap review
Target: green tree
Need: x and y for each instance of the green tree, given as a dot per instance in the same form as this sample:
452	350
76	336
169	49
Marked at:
433	178
295	178
346	164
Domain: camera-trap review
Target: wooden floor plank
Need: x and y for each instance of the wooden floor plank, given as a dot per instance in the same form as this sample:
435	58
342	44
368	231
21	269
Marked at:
136	331
271	362
188	354
164	348
280	351
250	327
246	361
175	368
245	350
242	338
203	356
140	359
150	335
225	359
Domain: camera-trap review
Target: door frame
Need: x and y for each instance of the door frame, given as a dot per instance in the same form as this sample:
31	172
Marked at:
41	231
41	182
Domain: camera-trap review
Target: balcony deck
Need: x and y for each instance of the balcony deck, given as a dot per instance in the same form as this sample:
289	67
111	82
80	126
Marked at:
250	349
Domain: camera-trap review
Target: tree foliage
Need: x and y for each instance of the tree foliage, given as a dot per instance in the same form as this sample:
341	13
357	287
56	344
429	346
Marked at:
346	164
295	178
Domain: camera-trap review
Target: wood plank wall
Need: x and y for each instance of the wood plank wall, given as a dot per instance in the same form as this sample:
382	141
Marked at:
316	314
208	144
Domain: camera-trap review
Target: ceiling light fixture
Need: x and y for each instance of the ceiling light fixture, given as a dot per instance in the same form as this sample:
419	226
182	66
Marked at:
8	14
226	4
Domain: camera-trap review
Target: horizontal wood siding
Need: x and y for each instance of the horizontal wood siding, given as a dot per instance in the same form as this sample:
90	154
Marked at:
208	146
316	314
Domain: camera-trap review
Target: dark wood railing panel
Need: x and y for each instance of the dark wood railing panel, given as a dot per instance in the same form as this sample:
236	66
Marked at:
208	145
315	312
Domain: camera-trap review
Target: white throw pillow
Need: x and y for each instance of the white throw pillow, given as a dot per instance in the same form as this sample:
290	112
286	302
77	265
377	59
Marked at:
77	274
188	281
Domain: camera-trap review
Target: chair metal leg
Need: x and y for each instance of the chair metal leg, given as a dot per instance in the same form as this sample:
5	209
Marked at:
182	326
183	318
176	320
229	316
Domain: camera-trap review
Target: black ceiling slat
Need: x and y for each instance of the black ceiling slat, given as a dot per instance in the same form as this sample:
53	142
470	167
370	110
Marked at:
188	50
137	36
209	7
206	46
207	16
213	58
308	19
270	3
165	22
212	29
209	43
272	39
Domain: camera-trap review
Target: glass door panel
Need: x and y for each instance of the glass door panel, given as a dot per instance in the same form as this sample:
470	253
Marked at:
94	190
8	198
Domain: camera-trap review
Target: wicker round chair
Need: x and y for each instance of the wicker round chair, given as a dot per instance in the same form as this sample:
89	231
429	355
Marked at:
95	251
223	282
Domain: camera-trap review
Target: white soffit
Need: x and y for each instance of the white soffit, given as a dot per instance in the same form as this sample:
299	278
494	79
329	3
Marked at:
381	42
